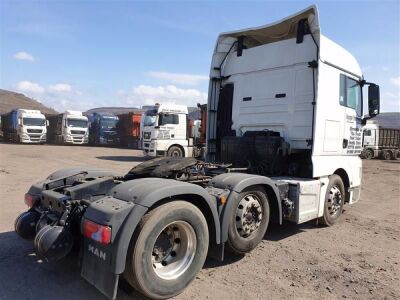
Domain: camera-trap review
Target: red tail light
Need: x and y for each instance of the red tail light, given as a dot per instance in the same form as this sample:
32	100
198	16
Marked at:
30	200
97	232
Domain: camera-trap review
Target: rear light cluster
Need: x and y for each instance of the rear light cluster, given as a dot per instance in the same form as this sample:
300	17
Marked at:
97	232
30	200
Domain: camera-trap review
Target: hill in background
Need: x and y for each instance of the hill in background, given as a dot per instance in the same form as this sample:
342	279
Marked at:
12	100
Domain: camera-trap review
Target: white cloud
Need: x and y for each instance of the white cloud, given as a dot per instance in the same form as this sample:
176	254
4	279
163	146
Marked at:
169	94
395	81
60	88
178	78
22	55
30	87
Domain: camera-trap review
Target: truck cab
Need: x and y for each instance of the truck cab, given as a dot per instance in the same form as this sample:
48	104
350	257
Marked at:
25	126
70	127
103	129
293	97
76	128
164	131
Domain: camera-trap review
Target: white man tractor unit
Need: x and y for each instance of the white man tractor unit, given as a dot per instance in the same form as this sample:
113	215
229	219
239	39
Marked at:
283	143
168	131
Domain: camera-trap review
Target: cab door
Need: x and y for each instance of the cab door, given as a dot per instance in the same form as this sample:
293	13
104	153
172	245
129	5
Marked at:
171	126
369	137
351	100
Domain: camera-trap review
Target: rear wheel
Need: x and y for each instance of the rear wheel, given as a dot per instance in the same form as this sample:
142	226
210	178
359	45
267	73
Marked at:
334	201
387	155
168	251
249	221
397	155
175	151
369	154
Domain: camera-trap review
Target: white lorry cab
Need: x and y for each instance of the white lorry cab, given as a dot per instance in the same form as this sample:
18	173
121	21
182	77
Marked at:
70	127
165	132
287	80
25	126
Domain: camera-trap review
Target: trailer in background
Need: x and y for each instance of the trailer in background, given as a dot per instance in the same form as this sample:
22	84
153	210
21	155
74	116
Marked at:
24	126
103	129
381	142
70	127
128	129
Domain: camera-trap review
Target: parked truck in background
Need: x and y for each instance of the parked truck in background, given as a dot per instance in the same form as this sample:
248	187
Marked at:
167	131
103	129
24	126
283	142
70	127
381	142
129	129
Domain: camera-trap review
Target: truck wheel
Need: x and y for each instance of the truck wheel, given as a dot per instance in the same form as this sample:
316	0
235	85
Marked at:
334	201
175	151
369	154
249	221
397	155
387	155
168	251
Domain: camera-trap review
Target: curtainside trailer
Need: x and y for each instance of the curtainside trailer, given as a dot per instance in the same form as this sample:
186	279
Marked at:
283	132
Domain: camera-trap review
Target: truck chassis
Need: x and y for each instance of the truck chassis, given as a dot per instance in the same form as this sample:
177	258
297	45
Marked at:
186	208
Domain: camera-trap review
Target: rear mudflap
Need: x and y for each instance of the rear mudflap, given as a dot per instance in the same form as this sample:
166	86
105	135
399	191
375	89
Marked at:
96	268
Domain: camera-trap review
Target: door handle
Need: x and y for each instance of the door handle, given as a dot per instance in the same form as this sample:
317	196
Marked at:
345	143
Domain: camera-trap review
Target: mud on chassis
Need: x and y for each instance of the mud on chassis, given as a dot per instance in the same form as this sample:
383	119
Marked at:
155	225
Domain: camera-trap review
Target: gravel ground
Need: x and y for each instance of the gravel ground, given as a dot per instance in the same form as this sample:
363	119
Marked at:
358	258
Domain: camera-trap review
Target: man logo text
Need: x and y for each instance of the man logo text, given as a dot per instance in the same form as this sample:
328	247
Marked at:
97	252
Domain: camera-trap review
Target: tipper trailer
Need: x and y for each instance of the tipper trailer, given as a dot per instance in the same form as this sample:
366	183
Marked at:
287	99
24	126
129	129
70	127
380	142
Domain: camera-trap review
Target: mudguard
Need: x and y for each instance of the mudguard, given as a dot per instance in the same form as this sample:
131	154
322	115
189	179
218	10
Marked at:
143	194
71	171
236	183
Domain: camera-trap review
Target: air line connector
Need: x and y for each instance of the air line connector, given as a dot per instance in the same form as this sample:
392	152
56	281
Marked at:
313	64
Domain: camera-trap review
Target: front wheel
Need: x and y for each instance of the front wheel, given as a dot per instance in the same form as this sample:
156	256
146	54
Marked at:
369	154
175	151
168	251
334	201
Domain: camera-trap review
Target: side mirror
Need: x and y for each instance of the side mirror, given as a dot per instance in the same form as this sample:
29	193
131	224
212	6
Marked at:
47	123
19	122
373	100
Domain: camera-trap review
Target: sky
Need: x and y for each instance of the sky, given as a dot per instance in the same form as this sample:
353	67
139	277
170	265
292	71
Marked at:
84	54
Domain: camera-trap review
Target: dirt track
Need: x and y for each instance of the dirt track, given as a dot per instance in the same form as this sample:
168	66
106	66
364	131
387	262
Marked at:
358	258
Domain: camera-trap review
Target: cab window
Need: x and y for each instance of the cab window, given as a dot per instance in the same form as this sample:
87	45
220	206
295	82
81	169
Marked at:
350	94
165	119
367	133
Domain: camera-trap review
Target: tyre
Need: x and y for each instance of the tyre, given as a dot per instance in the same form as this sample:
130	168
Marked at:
369	154
175	151
168	250
397	155
387	155
249	221
334	201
